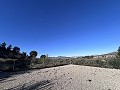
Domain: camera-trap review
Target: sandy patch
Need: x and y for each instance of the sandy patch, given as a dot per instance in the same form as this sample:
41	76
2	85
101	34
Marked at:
69	77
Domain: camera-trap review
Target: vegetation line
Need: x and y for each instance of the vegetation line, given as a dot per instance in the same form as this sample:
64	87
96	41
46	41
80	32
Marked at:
11	59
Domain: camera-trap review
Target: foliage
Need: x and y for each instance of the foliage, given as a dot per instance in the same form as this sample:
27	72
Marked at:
3	45
16	49
115	63
33	54
9	48
11	59
88	57
43	56
118	52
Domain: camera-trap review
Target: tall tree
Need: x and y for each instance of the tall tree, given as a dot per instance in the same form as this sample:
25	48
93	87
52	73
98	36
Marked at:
43	56
33	54
24	54
9	47
16	49
118	52
3	45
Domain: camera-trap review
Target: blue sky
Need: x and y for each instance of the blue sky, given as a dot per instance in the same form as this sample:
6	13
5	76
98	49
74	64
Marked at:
61	27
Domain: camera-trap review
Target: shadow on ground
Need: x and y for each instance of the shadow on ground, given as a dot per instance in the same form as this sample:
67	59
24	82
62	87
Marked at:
42	85
5	75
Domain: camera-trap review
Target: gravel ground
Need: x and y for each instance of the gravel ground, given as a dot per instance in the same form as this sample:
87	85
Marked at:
69	77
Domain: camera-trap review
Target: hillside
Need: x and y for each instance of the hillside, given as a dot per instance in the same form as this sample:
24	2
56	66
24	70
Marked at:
69	77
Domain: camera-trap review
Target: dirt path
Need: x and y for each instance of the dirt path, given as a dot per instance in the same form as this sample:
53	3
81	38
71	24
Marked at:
69	77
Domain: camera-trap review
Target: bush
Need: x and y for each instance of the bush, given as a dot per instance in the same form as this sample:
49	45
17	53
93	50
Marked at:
115	63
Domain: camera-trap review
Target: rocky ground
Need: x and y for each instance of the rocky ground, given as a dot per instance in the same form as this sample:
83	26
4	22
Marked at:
69	77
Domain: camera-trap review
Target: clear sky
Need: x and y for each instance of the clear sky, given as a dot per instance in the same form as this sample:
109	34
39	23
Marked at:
61	27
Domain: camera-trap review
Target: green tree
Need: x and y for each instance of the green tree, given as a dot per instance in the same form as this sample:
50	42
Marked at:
3	45
9	47
16	49
3	49
33	54
116	62
118	52
43	56
24	55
